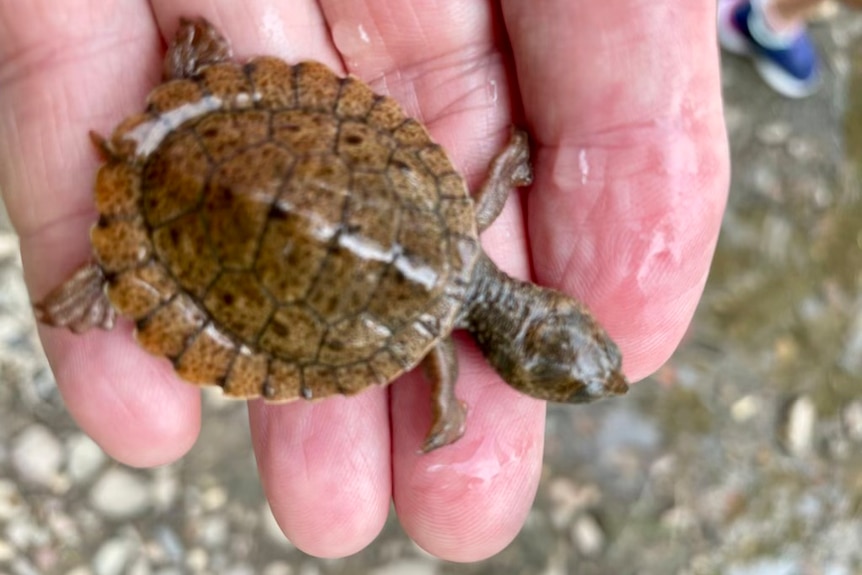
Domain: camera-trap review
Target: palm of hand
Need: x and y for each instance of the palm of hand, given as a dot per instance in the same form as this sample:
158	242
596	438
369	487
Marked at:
330	469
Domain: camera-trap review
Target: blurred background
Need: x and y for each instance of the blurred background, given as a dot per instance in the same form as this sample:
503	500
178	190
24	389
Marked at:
743	455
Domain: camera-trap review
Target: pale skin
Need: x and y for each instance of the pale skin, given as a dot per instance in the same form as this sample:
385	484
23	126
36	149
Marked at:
631	174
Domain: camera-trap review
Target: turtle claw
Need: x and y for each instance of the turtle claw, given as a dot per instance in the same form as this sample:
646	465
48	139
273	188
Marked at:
448	427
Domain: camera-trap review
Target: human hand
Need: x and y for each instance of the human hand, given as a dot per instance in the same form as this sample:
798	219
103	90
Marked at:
630	179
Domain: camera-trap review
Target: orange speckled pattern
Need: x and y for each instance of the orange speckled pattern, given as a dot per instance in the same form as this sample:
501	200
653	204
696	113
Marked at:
281	231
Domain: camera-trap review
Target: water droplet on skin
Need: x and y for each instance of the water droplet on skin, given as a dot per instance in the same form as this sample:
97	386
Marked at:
493	92
352	40
584	165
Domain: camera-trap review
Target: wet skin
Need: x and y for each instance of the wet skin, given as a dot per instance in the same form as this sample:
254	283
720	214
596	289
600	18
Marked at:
630	180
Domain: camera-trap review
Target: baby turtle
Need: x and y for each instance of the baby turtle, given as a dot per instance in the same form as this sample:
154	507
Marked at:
283	232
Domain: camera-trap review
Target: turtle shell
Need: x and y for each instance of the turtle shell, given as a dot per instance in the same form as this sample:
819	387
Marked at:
281	231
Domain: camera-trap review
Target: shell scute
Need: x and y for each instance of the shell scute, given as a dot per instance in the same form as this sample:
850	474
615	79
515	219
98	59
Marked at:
173	179
305	132
183	247
294	334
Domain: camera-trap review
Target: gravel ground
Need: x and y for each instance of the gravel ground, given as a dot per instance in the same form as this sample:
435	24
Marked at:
742	456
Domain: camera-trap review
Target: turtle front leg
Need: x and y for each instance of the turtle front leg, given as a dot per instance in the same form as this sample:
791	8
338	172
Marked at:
449	413
509	169
80	303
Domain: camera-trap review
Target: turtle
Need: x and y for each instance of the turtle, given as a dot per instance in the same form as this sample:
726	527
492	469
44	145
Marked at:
284	232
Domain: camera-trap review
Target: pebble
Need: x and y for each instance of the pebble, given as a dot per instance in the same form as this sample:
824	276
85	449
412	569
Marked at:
113	557
797	426
213	532
588	535
214	498
774	133
278	568
165	488
37	455
85	458
7	552
407	567
567	499
25	533
169	544
851	418
11	503
851	356
197	559
119	494
8	246
745	408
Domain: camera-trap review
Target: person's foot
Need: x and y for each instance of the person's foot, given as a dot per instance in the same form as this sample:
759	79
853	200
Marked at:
787	61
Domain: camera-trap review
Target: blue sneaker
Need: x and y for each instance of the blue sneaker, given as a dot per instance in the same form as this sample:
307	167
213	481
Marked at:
788	64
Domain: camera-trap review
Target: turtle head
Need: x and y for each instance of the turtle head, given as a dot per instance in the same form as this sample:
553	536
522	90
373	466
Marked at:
542	342
563	354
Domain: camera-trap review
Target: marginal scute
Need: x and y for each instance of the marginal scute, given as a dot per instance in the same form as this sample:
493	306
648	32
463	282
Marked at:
120	244
316	86
284	381
356	99
354	378
353	340
207	358
270	80
167	330
318	381
228	82
174	94
386	114
412	181
118	190
247	374
412	134
139	291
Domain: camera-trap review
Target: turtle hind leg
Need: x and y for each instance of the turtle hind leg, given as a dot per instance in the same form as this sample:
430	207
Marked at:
196	45
509	169
449	412
80	303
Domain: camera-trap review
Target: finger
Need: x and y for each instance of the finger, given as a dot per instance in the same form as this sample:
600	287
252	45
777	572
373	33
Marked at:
325	466
632	167
65	69
325	469
468	500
